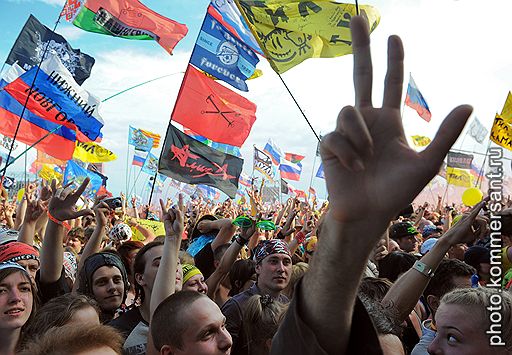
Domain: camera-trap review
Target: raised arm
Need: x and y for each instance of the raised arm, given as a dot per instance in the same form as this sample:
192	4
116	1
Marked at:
60	210
371	173
228	259
405	292
165	280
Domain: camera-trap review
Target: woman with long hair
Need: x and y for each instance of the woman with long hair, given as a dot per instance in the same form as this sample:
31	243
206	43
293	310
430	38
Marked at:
17	304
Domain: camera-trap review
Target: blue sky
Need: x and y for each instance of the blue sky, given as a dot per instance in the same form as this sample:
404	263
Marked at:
454	59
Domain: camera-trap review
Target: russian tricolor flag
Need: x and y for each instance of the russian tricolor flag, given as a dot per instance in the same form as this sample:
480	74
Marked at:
273	151
290	170
245	180
415	100
138	158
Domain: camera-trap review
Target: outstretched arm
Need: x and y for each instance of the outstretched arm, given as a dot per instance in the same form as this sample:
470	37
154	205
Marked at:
406	291
371	173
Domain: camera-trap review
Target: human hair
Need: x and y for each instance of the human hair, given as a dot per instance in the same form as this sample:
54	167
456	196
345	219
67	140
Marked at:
241	272
77	232
298	271
168	323
56	313
124	250
394	264
261	318
479	302
374	288
73	339
442	281
4	273
88	231
219	251
185	258
139	264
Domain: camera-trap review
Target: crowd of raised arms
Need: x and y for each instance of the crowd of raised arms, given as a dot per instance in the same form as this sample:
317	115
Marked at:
356	275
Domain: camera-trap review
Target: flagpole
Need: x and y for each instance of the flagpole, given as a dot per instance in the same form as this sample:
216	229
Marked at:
152	187
311	180
30	92
480	173
128	172
27	149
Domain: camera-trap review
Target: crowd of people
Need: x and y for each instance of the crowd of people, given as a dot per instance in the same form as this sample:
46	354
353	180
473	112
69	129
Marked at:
360	274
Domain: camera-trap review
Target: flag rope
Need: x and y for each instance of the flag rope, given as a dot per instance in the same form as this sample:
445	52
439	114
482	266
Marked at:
300	109
29	94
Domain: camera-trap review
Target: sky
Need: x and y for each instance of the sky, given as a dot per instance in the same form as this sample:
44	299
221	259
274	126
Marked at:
456	51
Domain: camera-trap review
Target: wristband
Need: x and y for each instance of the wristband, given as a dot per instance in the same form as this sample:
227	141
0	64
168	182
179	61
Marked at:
423	268
60	223
241	241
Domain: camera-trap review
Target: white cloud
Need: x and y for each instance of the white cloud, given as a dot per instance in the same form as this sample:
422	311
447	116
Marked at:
455	53
71	33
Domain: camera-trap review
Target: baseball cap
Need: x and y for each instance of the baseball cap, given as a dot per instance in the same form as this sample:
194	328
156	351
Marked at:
402	229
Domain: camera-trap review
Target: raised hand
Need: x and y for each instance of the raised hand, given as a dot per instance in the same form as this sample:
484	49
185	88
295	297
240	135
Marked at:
62	203
101	211
173	221
35	208
46	192
370	169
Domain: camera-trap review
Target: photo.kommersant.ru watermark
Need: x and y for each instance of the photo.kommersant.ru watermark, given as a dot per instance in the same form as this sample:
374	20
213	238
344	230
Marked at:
495	178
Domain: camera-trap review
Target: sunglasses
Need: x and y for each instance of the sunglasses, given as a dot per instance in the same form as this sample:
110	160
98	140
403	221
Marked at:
246	222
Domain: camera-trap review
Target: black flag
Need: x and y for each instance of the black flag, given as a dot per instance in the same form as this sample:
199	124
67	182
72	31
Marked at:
31	42
188	160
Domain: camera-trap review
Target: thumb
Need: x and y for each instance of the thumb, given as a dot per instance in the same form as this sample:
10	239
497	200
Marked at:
82	213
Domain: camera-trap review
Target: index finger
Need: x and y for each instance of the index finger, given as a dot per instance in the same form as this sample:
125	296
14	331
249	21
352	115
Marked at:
363	70
162	206
81	188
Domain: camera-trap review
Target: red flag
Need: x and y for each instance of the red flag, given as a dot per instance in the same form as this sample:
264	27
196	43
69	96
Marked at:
212	110
294	158
103	191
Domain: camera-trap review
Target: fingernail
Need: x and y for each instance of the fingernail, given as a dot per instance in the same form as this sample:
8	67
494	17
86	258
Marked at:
358	165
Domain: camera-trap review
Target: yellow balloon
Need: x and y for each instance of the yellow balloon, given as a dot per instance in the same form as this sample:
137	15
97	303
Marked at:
472	196
21	192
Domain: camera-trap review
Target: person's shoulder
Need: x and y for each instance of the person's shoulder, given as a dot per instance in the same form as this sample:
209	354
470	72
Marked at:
127	321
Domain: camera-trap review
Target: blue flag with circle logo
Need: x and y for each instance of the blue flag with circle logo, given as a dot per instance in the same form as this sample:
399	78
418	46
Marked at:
221	54
77	174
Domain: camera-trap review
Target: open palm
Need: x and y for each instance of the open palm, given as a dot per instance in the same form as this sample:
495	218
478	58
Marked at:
369	167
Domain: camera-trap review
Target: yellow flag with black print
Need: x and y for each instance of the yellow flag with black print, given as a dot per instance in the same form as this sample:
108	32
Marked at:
91	152
506	112
421	141
49	173
459	177
501	132
290	32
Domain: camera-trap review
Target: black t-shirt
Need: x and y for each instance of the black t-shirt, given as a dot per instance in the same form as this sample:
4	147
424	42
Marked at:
127	321
47	291
204	261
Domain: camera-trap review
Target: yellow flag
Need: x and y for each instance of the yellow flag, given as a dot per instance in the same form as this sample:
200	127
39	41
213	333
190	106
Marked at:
91	152
156	227
501	132
506	112
48	173
421	141
459	177
290	32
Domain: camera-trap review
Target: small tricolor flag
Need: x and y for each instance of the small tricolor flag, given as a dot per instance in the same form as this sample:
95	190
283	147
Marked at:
320	172
415	100
245	180
312	192
273	152
139	158
290	170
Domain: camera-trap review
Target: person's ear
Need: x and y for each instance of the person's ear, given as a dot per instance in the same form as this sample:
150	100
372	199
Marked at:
433	302
166	350
139	279
258	269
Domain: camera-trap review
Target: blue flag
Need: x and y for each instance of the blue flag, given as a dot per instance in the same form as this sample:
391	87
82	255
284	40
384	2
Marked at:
320	173
221	54
139	140
77	175
150	164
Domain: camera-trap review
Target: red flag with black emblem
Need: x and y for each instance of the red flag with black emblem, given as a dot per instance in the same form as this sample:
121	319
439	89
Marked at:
187	160
212	110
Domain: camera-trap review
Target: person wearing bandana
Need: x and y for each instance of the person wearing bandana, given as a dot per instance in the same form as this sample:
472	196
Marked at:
273	269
